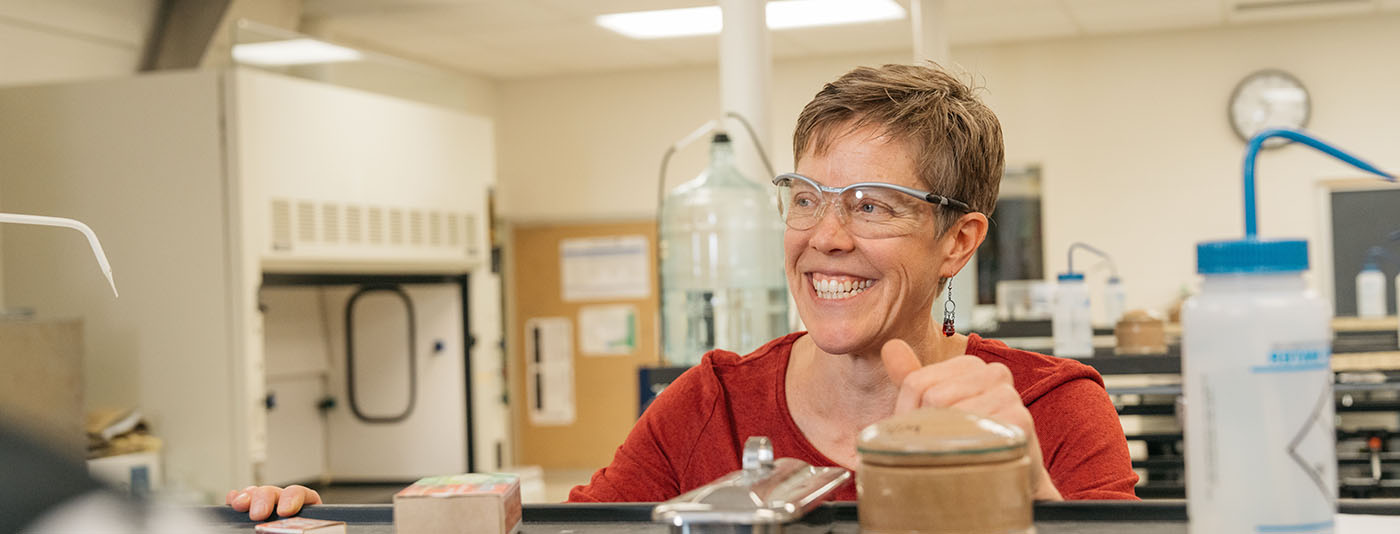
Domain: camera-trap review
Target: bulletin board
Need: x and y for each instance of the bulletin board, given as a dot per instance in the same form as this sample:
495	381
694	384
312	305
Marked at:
596	260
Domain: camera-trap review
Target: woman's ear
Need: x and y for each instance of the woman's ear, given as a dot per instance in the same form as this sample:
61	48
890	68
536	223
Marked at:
960	241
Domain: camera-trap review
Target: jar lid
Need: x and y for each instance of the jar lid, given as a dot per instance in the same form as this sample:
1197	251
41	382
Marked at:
1140	316
766	492
939	436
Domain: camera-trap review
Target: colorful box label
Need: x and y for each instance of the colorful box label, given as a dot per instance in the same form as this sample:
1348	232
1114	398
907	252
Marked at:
465	484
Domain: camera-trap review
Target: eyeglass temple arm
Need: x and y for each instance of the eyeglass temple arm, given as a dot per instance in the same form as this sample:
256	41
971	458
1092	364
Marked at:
945	201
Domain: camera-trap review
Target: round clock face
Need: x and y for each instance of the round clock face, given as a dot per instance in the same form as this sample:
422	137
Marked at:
1268	99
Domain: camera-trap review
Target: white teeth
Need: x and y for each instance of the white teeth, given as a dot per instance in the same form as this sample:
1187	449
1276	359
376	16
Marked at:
839	289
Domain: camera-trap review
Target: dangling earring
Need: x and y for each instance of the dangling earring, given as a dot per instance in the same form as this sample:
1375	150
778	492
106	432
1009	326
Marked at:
948	308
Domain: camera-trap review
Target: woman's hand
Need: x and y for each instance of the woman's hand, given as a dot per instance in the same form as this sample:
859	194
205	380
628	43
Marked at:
260	501
969	384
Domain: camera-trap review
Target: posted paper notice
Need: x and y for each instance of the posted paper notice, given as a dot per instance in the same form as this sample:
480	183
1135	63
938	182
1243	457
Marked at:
607	330
605	268
549	370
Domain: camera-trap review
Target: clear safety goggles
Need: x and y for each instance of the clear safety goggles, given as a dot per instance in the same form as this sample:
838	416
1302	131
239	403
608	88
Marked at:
871	210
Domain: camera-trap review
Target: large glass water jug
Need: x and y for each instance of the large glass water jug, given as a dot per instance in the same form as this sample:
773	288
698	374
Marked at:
722	282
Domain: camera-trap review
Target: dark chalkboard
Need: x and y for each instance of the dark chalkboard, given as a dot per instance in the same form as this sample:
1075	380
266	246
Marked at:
1361	220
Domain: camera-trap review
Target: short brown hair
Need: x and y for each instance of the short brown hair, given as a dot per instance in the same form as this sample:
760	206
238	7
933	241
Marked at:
956	138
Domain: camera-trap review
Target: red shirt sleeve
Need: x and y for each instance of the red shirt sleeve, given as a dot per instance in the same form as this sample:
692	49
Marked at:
650	464
1082	441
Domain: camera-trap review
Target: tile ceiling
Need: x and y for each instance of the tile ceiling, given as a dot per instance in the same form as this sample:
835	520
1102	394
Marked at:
506	39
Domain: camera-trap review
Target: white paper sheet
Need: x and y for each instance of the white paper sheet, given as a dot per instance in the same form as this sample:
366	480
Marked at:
605	268
549	371
607	330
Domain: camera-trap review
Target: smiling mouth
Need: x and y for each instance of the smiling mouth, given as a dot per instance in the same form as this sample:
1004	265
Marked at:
830	288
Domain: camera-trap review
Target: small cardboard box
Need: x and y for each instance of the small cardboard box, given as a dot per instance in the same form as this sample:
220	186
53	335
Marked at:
486	503
301	525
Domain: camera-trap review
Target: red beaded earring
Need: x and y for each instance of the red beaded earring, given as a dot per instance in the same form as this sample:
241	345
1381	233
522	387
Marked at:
948	308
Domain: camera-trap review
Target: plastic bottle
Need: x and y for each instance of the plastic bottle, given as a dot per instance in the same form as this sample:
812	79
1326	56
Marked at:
1115	301
722	281
1370	291
1256	347
1073	333
1256	373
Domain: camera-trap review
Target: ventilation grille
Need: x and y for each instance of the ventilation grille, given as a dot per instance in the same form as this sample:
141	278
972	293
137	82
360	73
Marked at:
354	225
415	228
331	227
395	226
306	222
434	229
301	223
454	231
376	226
281	225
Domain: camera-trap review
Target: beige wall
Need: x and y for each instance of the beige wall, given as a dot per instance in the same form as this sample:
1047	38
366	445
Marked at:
53	40
138	159
466	93
50	40
1131	131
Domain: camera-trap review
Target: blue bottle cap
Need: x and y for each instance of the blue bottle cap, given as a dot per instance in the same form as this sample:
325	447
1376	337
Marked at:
1071	276
1252	256
1370	266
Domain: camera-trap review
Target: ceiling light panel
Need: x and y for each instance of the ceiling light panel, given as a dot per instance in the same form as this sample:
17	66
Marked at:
665	23
781	15
784	14
293	52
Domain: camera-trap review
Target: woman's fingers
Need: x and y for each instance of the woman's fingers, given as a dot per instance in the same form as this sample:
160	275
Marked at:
263	501
984	405
943	383
972	378
294	497
1001	403
239	499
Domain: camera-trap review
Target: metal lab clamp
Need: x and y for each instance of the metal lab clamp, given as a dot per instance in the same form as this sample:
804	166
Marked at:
766	496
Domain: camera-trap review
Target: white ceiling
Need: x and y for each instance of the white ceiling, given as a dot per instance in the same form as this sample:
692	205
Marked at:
525	38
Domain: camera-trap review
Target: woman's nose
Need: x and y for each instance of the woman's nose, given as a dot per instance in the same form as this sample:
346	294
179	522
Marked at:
830	235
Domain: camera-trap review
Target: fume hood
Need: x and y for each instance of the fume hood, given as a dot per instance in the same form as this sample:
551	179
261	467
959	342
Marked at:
235	203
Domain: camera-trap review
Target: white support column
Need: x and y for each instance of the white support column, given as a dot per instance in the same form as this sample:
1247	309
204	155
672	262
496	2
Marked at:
745	76
930	21
930	18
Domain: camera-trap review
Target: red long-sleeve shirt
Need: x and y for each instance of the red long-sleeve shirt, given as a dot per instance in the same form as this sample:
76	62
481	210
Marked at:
695	430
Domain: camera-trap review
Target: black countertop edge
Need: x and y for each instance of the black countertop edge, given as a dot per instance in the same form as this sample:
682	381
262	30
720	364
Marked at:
349	513
1153	510
1370	506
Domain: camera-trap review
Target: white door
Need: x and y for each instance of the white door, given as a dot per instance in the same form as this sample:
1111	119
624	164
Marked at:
397	426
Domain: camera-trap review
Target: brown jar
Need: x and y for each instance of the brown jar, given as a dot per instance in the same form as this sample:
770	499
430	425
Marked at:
943	471
1141	332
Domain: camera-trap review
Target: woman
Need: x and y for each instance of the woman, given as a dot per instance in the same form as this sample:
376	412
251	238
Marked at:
865	264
